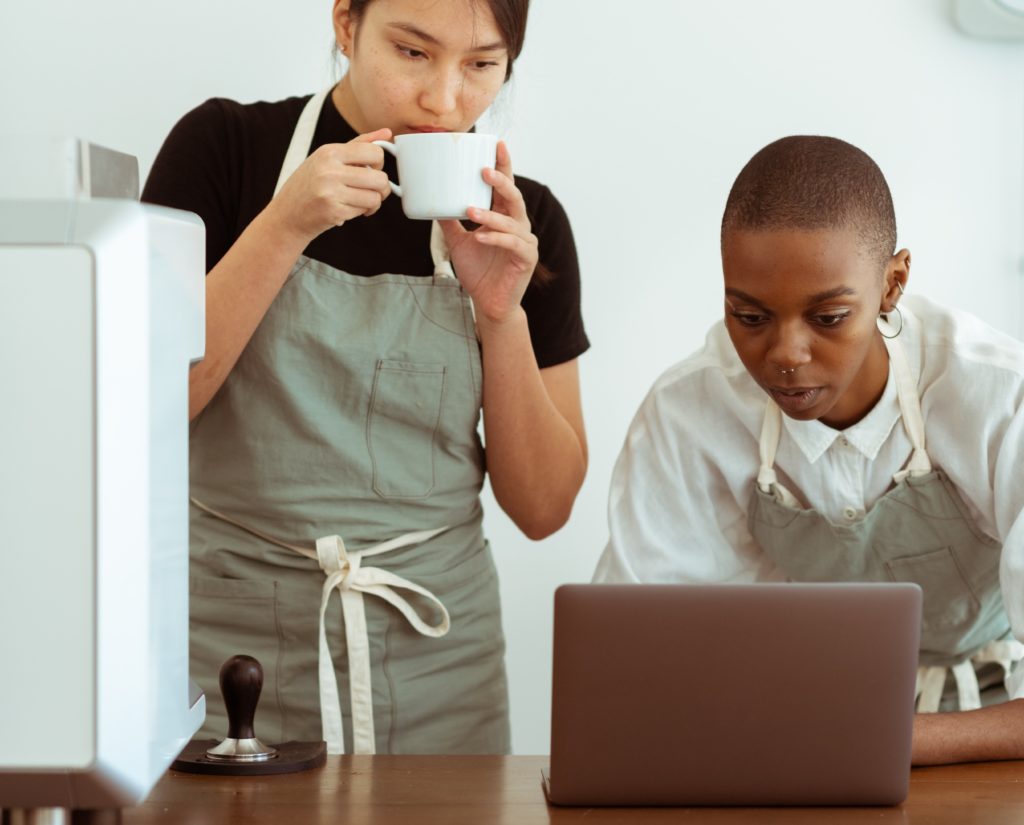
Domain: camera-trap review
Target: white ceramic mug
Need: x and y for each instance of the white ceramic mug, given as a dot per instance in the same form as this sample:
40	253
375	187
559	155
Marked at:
440	172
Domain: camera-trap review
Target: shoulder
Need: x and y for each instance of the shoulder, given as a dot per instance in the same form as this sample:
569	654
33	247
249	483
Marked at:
708	392
224	137
971	375
715	366
258	114
952	344
546	213
536	195
220	161
971	386
961	337
231	121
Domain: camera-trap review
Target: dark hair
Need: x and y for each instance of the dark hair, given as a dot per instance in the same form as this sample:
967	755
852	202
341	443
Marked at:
509	16
814	182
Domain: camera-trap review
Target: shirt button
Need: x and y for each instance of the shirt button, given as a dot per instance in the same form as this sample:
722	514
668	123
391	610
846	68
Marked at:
843	440
851	513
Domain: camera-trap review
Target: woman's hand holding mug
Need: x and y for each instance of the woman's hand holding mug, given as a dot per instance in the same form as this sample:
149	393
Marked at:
494	263
337	182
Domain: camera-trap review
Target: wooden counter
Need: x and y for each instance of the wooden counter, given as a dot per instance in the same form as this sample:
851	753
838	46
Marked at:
387	790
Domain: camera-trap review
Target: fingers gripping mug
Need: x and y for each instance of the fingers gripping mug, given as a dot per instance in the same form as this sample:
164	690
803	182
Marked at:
440	172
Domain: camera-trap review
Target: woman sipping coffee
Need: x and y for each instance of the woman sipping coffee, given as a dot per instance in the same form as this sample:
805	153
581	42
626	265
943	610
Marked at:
350	352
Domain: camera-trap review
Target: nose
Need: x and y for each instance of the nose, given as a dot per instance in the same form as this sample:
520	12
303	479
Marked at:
790	348
440	95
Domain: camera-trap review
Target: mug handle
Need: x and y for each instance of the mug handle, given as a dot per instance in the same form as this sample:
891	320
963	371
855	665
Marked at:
391	149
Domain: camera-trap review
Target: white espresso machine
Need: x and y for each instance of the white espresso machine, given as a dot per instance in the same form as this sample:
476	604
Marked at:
102	312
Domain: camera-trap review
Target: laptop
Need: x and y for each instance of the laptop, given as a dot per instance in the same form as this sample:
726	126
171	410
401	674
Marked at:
755	694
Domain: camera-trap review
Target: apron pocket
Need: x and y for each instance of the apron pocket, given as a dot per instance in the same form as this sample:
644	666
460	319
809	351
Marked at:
229	617
405	411
949	602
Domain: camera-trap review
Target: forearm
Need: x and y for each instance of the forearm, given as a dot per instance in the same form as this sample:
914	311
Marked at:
239	291
536	458
991	733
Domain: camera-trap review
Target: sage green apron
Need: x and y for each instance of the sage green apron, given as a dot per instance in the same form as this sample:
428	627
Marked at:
919	531
342	454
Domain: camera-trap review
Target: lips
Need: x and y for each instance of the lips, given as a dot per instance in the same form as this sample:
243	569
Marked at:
795	400
424	128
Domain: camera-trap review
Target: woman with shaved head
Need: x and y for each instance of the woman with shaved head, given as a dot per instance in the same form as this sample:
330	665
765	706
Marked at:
833	429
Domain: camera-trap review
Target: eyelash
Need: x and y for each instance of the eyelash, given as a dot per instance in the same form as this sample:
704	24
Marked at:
412	54
828	321
834	319
748	319
416	54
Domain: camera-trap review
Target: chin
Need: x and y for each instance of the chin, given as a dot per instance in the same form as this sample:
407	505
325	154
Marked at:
803	415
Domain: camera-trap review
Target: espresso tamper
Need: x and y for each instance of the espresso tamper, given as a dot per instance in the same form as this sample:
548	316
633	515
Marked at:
241	680
242	753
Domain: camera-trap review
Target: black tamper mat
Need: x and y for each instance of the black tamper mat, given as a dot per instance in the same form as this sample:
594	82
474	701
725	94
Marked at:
291	758
241	753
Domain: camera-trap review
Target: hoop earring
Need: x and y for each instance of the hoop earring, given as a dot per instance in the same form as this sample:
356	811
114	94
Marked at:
884	318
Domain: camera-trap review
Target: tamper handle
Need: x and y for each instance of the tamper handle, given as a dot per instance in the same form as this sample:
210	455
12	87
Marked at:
241	680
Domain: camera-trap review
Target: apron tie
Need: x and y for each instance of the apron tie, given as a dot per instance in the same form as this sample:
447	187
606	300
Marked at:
344	571
931	680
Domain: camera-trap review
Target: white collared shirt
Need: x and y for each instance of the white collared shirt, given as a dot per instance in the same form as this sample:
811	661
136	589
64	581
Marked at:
680	491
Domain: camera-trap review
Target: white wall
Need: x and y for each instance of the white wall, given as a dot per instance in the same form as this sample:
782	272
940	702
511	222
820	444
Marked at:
638	115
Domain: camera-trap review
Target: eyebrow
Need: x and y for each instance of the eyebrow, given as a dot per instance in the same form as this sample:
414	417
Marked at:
837	292
415	31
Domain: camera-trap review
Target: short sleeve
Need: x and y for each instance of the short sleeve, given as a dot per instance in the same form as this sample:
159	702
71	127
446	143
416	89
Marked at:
197	170
552	304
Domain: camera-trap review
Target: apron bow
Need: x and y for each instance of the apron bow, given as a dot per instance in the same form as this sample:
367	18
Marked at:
339	567
344	572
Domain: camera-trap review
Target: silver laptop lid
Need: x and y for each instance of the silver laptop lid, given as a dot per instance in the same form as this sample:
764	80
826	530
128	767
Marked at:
772	694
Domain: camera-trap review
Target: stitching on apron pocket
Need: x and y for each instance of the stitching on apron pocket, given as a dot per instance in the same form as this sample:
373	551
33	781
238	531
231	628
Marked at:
401	426
949	601
230	588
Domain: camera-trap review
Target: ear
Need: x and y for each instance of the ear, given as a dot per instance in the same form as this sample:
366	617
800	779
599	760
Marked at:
897	273
344	26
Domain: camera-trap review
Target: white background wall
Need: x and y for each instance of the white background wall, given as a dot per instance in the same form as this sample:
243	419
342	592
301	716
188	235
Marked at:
638	115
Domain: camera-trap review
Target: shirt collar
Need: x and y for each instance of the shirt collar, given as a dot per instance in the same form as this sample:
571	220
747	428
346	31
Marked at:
866	436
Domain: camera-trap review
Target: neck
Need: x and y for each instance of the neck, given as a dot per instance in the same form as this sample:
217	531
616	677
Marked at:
345	102
865	392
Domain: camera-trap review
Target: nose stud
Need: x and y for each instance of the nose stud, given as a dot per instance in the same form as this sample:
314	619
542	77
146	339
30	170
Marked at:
788	372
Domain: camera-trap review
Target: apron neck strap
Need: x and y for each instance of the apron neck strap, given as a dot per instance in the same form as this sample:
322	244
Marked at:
439	253
910	410
302	137
768	445
767	480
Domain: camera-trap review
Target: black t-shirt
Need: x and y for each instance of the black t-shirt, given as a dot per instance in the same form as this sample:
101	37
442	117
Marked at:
222	161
